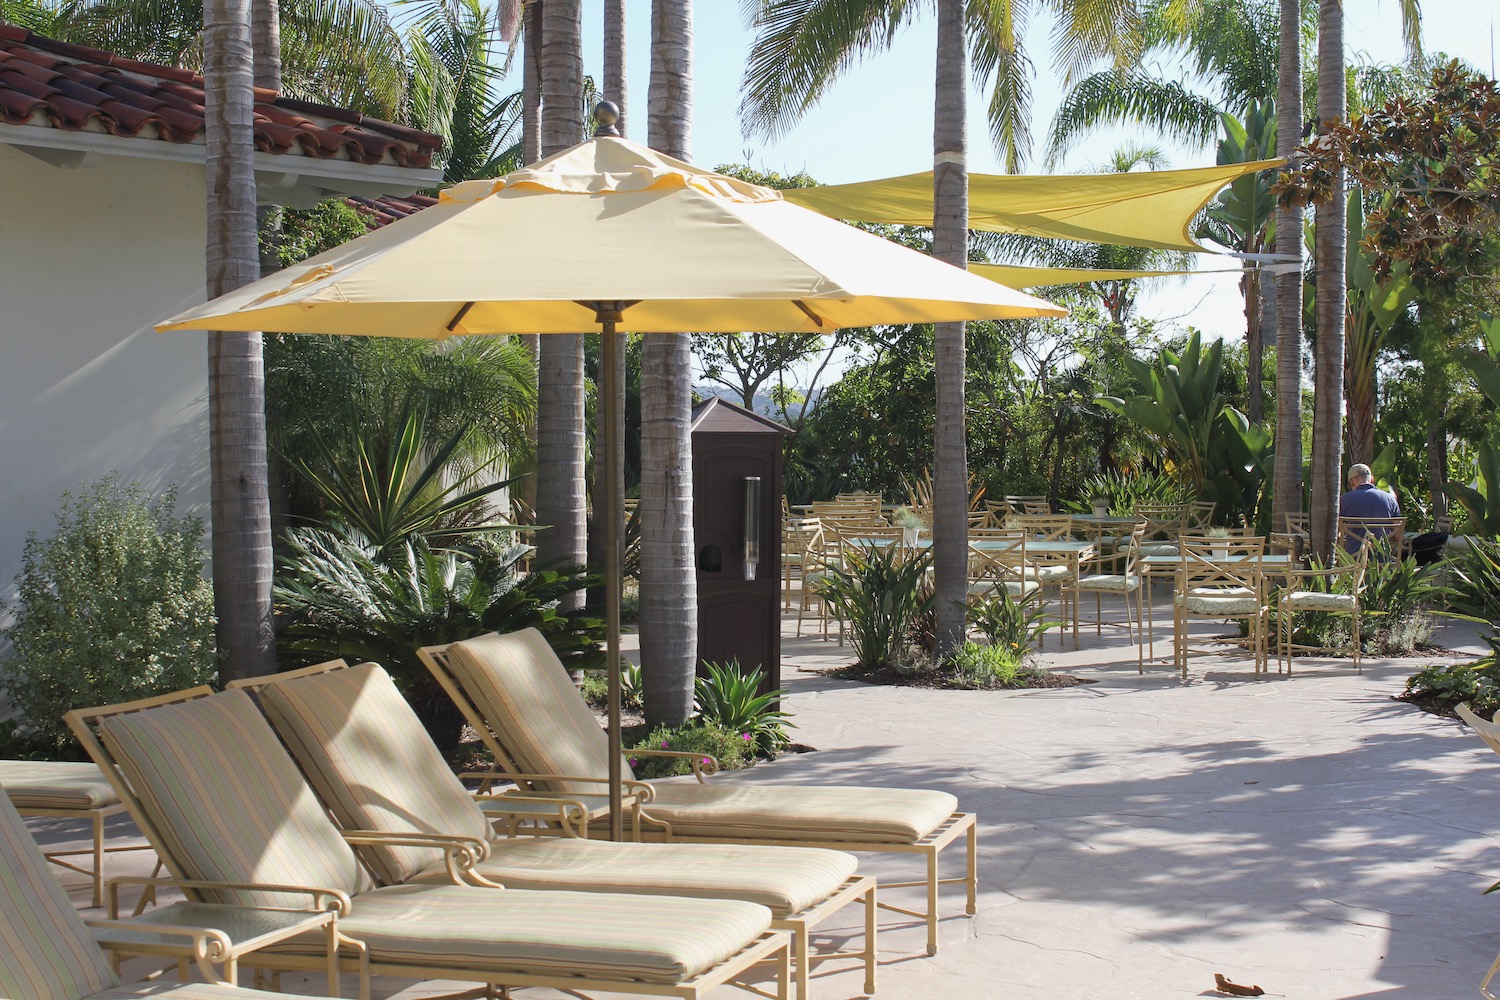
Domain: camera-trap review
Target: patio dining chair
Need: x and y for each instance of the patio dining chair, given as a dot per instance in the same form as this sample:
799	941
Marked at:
518	697
49	952
211	787
1385	536
1118	573
1329	590
373	764
992	568
1221	579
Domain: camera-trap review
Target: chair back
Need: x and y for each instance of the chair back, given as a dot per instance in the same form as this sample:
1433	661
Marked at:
856	541
210	785
1161	520
1483	728
1029	504
1355	533
1198	515
1219	563
804	536
1049	527
46	952
518	696
370	759
997	554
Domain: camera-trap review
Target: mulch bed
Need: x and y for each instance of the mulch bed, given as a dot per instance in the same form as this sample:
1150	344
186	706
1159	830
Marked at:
939	679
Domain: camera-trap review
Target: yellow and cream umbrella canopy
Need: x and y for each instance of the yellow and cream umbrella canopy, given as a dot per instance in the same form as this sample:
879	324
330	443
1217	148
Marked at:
613	236
609	221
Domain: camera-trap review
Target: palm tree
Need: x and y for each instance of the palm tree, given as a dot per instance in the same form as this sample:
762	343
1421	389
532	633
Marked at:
668	606
241	512
802	47
1287	492
560	420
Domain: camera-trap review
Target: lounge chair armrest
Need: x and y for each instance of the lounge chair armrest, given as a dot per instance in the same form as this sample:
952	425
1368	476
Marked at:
460	853
323	899
571	814
637	788
703	764
210	945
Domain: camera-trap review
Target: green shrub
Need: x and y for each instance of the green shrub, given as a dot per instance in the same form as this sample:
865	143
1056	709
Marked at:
1015	626
1126	491
1476	590
732	750
731	700
111	608
596	686
1477	683
879	599
980	666
1396	605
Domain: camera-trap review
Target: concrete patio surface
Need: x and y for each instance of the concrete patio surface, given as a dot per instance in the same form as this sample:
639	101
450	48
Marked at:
1138	834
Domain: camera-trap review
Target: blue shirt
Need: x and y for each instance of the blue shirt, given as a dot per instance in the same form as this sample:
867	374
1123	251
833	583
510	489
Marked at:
1367	501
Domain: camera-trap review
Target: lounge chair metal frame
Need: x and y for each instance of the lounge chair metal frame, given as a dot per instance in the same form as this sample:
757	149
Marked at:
958	825
773	946
857	888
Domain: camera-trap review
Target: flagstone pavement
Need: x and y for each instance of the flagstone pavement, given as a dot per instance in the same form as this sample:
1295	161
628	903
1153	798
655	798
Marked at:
1139	834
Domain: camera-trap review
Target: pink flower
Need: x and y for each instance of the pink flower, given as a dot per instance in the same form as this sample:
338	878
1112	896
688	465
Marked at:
744	736
705	761
663	744
634	762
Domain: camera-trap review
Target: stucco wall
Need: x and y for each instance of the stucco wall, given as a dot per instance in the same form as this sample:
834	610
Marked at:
88	259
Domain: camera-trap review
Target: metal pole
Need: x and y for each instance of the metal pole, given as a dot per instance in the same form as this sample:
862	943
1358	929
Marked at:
613	540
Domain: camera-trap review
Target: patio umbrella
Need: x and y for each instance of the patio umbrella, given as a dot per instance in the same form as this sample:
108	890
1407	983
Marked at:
613	236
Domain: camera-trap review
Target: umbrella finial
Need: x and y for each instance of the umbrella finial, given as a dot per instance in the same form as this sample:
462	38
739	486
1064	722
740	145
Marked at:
606	113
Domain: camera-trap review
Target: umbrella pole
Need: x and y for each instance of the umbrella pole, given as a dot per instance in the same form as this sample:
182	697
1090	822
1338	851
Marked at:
613	532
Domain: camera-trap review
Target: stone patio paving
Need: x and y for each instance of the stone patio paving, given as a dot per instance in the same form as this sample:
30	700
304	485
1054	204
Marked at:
1139	834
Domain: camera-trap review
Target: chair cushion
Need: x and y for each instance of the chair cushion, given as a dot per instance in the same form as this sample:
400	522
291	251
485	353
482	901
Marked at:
48	784
1228	604
1111	582
45	950
186	991
370	759
1311	600
841	813
1049	573
523	691
785	879
659	939
1159	549
227	800
1015	588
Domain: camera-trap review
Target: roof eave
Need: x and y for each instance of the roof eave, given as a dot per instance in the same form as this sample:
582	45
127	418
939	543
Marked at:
289	179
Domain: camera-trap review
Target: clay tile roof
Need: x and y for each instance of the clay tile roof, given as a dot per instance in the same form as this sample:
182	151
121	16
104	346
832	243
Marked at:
74	87
388	209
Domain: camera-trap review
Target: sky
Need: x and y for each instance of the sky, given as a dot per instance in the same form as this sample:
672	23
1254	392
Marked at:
876	121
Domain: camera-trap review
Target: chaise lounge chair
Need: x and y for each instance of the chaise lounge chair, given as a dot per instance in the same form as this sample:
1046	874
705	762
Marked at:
517	695
370	760
47	952
213	790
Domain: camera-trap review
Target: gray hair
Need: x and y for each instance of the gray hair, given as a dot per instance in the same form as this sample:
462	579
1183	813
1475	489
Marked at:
1361	472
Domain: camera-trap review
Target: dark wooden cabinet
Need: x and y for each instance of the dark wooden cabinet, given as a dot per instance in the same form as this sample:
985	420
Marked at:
738	619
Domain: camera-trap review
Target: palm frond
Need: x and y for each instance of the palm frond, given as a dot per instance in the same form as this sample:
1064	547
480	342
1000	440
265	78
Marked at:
1165	106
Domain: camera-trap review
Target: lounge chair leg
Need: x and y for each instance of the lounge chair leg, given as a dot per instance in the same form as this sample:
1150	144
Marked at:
932	901
784	975
972	878
98	860
802	965
871	908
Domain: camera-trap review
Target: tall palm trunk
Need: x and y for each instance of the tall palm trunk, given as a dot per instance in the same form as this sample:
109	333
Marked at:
669	583
1255	349
531	151
614	58
1287	497
950	240
1331	305
236	380
560	421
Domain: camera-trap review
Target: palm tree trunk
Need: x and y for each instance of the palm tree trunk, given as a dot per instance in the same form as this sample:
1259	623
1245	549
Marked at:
1331	305
1255	351
1361	347
614	61
669	583
950	243
560	420
236	380
1287	496
531	151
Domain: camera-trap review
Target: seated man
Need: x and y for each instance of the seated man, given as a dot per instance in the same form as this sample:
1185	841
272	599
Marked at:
1365	500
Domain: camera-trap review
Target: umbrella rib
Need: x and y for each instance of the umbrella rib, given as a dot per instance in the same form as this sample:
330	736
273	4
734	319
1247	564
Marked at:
819	321
458	317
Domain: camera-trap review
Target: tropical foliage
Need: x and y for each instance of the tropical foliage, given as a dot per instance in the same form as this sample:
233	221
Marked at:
878	598
732	699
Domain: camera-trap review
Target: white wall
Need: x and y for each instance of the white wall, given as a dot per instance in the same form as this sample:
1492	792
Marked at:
89	258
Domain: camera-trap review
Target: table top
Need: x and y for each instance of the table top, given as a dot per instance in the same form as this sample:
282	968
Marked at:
1103	520
244	926
1277	559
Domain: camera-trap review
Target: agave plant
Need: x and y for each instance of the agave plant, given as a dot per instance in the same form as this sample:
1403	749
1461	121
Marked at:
733	700
880	596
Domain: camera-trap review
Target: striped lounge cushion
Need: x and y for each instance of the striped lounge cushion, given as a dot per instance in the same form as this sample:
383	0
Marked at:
371	761
801	812
45	951
786	879
228	802
186	991
660	939
48	784
524	692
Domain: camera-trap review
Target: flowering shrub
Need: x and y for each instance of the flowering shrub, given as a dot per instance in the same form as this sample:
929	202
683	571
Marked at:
732	750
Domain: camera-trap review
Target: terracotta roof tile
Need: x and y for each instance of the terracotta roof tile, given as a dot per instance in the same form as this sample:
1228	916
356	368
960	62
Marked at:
74	87
388	209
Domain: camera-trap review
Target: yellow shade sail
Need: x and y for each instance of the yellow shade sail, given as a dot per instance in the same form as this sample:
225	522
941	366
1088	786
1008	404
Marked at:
610	221
1148	209
1017	276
